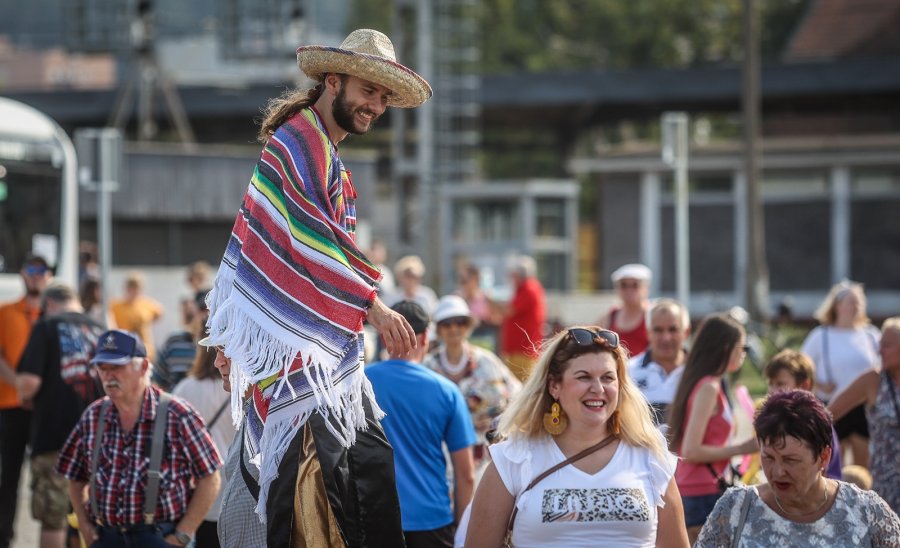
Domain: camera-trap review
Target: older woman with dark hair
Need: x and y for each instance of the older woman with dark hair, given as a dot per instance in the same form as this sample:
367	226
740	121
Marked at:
583	464
799	506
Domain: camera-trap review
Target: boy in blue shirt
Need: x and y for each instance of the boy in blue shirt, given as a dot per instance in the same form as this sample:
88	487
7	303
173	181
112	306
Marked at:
425	411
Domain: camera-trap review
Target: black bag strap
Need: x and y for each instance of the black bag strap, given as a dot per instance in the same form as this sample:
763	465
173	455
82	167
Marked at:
252	484
151	495
574	458
95	457
646	359
218	414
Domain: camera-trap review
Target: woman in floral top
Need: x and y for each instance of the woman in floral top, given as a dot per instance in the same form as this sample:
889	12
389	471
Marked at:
799	506
485	382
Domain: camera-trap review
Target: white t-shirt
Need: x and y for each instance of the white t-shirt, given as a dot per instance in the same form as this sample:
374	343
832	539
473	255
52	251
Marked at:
207	396
850	353
617	506
656	385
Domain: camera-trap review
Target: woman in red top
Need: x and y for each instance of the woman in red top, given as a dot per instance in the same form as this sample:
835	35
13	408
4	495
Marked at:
632	283
700	420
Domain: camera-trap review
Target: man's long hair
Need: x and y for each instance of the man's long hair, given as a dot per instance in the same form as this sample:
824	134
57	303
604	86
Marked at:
281	108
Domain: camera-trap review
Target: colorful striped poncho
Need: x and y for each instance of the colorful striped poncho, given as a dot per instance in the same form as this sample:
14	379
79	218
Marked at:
290	297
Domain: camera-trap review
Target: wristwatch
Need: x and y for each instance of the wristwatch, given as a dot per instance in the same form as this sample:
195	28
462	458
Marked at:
182	537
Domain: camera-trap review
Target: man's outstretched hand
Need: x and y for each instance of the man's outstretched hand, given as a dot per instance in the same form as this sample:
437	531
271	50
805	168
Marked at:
398	335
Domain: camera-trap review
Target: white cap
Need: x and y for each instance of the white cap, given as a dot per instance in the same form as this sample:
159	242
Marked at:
451	306
633	271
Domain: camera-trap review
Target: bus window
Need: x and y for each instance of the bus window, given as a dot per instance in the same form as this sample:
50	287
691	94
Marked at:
30	210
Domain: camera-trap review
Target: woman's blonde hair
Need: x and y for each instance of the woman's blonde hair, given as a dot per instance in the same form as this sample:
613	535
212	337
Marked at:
524	416
827	311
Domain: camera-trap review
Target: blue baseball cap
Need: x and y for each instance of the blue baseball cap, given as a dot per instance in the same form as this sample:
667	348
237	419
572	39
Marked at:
118	347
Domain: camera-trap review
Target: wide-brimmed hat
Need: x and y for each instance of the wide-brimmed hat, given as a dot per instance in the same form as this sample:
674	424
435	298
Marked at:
367	54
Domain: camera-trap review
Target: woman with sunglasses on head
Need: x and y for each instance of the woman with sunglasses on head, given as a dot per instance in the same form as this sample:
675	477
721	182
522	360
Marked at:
700	421
583	464
485	382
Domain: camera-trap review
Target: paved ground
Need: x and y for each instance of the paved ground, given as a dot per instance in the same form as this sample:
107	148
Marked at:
27	530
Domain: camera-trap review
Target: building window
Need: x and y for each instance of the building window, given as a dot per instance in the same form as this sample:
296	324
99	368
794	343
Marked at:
489	221
551	218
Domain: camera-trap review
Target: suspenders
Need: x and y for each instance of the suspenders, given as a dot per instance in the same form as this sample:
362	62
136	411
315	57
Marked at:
151	496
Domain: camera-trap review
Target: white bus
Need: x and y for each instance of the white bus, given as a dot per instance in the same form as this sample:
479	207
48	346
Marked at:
38	196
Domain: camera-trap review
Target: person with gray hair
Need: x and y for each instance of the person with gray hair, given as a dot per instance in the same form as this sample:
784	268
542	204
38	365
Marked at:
658	369
55	379
522	329
124	443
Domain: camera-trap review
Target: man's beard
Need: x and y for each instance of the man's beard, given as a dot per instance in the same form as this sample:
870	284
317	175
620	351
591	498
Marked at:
345	116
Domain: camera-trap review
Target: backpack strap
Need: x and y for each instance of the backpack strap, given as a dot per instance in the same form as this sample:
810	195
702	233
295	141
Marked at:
218	414
95	456
151	495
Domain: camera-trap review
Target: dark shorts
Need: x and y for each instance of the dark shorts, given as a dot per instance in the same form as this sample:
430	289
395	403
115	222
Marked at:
136	536
436	538
854	422
698	508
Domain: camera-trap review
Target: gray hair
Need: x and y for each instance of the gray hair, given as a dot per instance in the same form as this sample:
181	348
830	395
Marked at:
58	292
676	307
523	266
136	364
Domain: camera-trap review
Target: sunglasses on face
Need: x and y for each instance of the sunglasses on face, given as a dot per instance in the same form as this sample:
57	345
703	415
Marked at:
458	322
35	270
588	337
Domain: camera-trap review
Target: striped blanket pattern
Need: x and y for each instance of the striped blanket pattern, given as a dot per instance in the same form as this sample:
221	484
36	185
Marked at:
290	297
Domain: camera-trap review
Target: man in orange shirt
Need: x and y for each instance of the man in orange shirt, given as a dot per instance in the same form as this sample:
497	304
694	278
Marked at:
137	313
16	320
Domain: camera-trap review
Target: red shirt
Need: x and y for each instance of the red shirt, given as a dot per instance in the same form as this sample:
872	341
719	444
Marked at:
635	340
522	329
695	478
124	458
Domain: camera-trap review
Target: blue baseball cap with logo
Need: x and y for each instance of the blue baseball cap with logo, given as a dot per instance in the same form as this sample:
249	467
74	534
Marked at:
118	347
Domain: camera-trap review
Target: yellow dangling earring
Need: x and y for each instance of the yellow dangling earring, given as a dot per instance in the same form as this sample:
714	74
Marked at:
555	421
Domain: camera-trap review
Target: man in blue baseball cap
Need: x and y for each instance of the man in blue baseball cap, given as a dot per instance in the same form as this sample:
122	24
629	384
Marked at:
118	434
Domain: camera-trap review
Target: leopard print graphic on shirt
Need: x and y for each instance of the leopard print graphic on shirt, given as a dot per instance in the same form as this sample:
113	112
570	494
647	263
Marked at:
588	505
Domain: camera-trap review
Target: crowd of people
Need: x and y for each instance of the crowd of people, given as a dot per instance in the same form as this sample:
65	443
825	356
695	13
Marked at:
262	424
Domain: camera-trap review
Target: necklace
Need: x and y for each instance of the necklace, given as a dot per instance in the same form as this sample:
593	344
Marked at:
821	504
453	369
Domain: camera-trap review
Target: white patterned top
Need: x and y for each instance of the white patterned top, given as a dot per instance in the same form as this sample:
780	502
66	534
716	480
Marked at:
857	518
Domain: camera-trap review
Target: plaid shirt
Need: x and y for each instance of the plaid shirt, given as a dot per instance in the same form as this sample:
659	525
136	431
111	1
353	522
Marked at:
125	457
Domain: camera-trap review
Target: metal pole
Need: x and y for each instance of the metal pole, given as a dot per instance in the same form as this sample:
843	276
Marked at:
108	157
675	153
426	237
756	287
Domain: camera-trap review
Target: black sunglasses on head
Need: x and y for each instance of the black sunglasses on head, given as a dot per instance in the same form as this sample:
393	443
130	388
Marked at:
587	337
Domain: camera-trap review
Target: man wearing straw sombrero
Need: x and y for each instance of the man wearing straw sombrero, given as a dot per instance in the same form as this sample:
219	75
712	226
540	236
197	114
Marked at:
289	301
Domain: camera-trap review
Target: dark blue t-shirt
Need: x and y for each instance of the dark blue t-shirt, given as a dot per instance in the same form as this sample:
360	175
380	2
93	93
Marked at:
424	410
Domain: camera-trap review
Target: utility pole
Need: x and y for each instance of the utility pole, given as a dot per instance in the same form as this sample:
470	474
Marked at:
756	285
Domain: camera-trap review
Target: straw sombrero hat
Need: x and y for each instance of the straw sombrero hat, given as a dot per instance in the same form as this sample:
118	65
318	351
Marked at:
367	54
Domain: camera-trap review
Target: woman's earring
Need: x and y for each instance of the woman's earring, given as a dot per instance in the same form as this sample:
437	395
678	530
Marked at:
555	421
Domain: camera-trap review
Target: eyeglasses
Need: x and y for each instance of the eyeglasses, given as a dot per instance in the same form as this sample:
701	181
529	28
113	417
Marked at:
746	349
587	337
458	322
35	270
